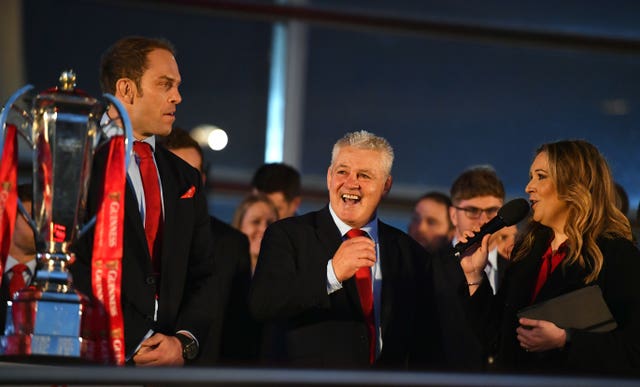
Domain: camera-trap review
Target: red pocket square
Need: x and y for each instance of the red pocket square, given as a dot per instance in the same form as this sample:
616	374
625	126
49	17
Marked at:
189	194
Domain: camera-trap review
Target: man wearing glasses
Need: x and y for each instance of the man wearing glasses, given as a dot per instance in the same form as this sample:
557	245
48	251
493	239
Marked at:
477	195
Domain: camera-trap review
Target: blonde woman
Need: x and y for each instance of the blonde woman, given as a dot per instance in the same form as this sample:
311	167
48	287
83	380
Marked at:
576	237
253	215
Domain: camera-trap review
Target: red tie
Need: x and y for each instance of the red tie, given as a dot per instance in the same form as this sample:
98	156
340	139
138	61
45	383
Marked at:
365	291
17	280
152	203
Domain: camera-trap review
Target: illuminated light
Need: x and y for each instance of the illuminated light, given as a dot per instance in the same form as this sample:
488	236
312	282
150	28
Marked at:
615	107
274	147
218	139
201	133
211	136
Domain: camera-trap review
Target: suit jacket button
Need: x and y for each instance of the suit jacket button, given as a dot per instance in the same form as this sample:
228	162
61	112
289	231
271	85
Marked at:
151	280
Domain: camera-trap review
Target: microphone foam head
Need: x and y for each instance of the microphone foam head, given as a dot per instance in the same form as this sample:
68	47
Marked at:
514	211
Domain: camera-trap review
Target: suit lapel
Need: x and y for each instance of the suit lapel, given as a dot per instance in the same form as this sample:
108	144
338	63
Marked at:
562	280
134	219
329	235
171	245
389	266
170	194
327	232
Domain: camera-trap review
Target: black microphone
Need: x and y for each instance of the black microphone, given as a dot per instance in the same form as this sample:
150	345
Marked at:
510	214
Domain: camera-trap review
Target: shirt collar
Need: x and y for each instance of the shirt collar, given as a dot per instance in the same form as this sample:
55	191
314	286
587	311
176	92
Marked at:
111	129
151	140
11	262
370	228
493	258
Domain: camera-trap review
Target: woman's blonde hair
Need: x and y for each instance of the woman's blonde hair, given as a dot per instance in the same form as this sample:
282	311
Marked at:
247	202
583	180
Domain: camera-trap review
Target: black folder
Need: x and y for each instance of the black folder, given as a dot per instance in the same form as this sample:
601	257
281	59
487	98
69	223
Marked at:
583	309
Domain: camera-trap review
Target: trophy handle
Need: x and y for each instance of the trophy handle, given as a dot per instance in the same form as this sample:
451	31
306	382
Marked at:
128	144
5	114
128	128
28	218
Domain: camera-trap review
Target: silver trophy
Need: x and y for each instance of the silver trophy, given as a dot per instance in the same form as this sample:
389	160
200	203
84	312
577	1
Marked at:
63	127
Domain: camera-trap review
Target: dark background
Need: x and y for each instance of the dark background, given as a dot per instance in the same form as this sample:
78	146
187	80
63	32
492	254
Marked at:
444	102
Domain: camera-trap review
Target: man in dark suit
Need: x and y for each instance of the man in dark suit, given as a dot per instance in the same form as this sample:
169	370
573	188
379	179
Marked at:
236	338
167	277
338	300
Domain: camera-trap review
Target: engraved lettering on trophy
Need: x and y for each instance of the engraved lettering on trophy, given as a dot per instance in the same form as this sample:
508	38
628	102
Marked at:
40	344
66	346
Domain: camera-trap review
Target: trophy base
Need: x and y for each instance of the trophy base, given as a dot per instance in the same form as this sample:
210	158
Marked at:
42	323
46	345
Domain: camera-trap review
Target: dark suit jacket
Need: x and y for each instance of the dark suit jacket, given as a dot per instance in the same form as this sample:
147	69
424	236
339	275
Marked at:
241	335
185	295
503	264
462	350
315	329
616	352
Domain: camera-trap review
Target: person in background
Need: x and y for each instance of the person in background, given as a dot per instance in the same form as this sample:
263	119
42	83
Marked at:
167	263
252	217
345	289
477	195
281	184
21	260
236	339
576	237
504	240
430	223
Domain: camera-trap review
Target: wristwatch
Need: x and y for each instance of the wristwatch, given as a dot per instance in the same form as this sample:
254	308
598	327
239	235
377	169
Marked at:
189	346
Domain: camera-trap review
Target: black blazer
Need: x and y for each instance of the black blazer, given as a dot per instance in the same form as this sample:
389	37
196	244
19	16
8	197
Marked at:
462	349
615	352
236	338
185	288
315	329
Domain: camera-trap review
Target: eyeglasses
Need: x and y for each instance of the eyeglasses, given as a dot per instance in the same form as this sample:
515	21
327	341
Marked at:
475	212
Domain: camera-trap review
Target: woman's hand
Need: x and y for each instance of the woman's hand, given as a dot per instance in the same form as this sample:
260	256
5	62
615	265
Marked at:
473	261
540	335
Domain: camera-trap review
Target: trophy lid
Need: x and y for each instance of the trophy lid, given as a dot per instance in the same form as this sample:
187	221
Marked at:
67	80
66	92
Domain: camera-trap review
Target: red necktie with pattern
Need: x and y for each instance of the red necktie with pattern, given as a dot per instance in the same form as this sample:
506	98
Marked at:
365	291
152	203
17	279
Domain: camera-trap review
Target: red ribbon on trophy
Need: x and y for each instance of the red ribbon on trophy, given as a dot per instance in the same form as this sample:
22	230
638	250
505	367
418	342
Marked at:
8	193
106	267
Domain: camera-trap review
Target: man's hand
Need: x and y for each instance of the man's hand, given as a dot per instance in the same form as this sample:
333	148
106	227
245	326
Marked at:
159	350
353	254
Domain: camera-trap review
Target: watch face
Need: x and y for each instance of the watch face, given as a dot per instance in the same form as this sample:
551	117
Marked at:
189	347
190	351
